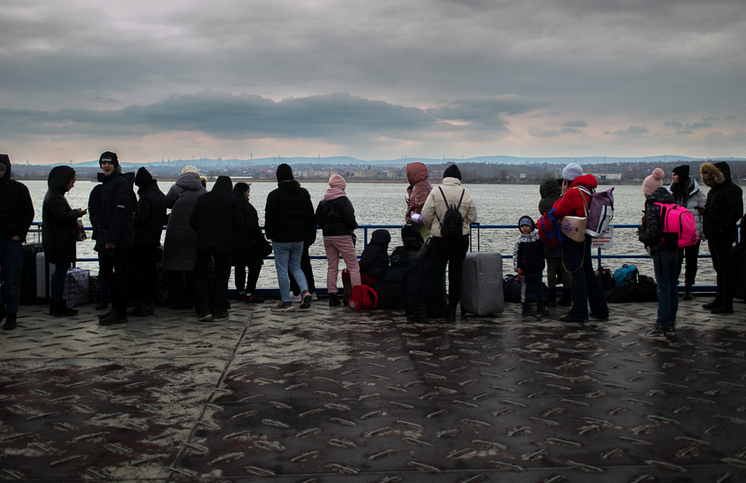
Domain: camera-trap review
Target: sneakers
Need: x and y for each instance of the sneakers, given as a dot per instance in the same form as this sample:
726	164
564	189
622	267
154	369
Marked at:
140	310
670	330
251	298
712	305
113	319
220	316
284	307
570	318
334	300
58	308
299	298
240	296
528	311
307	297
657	332
722	309
10	322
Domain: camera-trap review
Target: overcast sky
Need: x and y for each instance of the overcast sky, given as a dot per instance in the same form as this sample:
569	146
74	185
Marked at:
373	79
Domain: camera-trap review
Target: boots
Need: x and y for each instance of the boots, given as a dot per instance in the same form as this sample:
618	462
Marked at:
334	300
10	322
566	299
58	308
552	298
688	292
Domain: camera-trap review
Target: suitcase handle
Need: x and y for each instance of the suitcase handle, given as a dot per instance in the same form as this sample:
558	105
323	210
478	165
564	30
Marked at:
478	236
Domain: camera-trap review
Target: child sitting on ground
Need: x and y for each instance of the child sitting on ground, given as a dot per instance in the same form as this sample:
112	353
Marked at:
528	261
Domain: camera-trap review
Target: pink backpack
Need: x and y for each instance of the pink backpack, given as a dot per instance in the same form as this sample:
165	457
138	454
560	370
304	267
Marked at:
677	228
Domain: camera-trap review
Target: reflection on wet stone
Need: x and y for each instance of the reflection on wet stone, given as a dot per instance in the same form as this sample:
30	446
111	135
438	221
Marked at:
333	395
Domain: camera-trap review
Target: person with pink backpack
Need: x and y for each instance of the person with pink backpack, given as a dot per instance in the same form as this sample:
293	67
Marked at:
665	258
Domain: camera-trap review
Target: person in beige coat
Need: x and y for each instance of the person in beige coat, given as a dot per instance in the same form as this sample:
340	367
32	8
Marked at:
447	251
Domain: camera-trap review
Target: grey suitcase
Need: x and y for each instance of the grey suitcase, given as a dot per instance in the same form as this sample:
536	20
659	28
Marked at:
482	284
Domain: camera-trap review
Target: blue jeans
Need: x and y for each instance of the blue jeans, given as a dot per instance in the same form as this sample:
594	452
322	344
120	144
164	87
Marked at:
11	259
666	266
586	287
58	281
287	259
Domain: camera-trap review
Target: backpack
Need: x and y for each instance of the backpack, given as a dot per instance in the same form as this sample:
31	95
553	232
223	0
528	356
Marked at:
399	257
604	275
677	226
363	297
452	223
626	274
600	211
549	231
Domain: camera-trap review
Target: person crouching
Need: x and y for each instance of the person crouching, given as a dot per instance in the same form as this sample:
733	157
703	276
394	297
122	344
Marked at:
528	261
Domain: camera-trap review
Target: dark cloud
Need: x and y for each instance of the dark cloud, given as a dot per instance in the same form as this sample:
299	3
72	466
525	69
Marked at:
688	131
578	123
673	124
699	125
632	130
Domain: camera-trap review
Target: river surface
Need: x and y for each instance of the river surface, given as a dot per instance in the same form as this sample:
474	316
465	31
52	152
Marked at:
383	204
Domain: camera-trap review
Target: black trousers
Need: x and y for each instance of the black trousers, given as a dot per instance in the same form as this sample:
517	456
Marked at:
218	296
722	261
305	265
244	283
689	254
450	252
115	269
143	278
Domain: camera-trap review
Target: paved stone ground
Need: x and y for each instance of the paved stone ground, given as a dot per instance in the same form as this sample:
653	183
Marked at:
333	395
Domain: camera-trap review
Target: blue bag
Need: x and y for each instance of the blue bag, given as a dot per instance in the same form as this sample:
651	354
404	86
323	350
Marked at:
626	274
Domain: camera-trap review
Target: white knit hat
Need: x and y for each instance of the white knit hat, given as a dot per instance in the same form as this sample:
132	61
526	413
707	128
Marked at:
189	169
572	171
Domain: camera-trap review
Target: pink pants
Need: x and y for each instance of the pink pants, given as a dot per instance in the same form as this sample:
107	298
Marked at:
336	246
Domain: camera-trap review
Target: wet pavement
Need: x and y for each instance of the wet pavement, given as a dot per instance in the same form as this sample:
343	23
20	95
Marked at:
333	395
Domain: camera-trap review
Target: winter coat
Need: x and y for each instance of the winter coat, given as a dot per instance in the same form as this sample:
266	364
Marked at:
288	215
180	245
94	207
550	192
690	197
215	216
571	203
435	205
117	206
336	217
724	205
16	207
59	221
528	254
418	190
650	234
247	235
150	215
375	258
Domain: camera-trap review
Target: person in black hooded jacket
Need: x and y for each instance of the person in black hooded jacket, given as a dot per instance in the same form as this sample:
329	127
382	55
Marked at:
375	258
16	215
148	222
59	234
720	215
215	217
247	243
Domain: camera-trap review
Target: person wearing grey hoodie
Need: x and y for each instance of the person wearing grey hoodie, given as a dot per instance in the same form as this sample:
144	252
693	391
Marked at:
16	215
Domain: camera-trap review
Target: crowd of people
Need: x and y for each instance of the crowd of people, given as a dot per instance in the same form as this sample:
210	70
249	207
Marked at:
208	233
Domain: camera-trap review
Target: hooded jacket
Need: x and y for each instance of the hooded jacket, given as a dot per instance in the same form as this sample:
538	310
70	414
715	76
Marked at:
724	206
418	190
117	206
650	235
150	215
336	216
215	216
180	245
16	207
435	207
288	214
550	192
245	237
59	221
571	203
690	197
375	258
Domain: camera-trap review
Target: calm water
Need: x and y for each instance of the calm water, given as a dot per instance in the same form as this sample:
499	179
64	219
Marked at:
383	204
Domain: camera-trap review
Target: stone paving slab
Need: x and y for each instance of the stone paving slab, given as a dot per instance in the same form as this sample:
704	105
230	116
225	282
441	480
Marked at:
333	395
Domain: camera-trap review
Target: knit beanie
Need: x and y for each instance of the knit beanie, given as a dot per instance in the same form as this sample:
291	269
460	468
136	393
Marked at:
452	171
284	173
526	220
109	157
337	181
682	171
572	171
653	182
189	169
143	177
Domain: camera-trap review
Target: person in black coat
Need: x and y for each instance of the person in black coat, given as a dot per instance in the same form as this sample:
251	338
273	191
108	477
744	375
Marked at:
116	235
94	214
59	234
148	222
375	258
723	209
16	215
247	245
215	217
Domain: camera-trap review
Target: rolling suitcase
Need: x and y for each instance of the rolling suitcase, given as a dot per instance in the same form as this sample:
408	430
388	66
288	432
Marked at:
482	284
28	276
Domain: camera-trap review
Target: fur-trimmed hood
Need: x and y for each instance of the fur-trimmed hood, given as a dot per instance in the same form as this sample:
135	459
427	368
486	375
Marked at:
720	172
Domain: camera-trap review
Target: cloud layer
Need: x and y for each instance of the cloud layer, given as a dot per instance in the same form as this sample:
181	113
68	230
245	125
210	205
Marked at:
372	79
